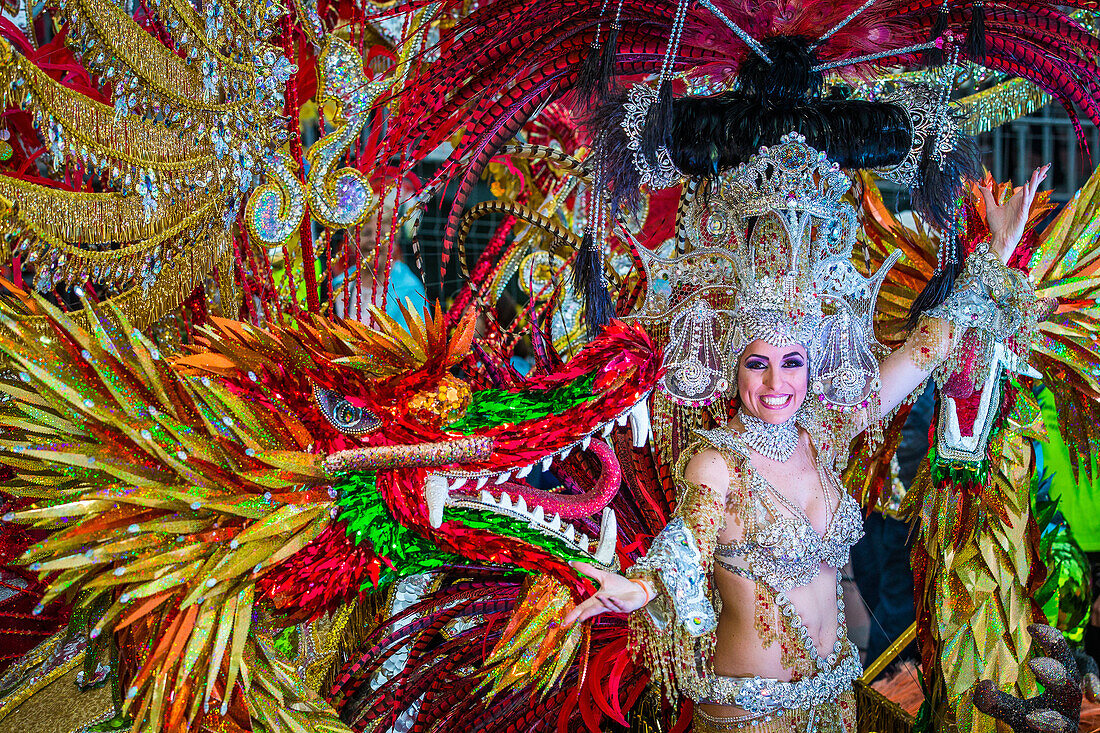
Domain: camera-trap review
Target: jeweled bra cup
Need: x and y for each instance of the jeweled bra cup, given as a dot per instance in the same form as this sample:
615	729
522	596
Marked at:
780	550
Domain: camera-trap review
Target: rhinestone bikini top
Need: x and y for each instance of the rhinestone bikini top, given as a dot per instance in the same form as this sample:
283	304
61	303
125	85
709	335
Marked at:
781	548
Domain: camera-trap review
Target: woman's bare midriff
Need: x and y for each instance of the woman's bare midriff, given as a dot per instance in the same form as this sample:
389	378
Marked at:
740	652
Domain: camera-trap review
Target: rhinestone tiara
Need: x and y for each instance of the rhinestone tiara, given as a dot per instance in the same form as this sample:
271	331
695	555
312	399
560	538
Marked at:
768	250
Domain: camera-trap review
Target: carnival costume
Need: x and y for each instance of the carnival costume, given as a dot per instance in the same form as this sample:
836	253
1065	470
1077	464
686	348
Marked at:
773	247
289	521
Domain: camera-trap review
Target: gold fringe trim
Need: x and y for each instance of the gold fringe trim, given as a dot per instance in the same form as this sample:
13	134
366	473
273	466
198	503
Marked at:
1000	104
144	306
95	128
671	654
361	623
879	714
197	27
117	266
837	716
72	216
123	39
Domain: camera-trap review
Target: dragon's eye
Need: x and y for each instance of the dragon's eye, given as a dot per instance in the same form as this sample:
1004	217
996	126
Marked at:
344	416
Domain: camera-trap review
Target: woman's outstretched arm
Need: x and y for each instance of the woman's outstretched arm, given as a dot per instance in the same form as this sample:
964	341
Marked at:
908	367
619	594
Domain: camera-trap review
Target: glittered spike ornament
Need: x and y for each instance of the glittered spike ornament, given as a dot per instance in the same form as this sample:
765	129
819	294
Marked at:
180	565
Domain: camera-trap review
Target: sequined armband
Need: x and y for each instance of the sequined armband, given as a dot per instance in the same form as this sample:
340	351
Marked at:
674	635
675	564
928	345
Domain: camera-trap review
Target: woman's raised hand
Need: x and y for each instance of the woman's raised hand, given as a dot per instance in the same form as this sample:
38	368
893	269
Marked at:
1006	219
616	594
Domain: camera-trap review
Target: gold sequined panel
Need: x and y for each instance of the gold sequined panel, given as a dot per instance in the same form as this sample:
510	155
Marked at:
53	703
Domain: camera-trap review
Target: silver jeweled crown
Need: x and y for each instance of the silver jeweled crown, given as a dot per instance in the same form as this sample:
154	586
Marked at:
768	255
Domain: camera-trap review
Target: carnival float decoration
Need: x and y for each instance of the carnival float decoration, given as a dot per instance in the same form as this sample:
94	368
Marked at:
226	508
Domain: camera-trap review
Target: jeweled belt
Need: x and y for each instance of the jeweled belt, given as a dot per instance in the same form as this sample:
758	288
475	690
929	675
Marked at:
761	695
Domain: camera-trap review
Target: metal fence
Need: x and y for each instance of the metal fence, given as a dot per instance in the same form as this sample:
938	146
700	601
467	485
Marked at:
1047	136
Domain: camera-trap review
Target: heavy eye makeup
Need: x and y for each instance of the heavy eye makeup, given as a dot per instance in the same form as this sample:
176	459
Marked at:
790	361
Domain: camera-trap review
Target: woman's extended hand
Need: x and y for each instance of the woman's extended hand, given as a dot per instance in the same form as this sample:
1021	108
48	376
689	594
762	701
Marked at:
616	594
1006	219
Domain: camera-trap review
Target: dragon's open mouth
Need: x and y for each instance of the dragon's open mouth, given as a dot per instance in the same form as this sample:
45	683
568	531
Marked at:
547	512
966	423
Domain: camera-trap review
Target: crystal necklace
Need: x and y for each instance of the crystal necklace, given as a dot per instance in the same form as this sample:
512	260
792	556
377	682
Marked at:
776	442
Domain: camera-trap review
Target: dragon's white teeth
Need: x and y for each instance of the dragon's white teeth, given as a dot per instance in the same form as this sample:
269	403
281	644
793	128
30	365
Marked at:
565	453
505	500
481	482
621	419
521	505
585	443
555	522
502	478
457	484
609	530
582	542
486	498
525	471
435	496
546	462
607	428
570	533
639	423
539	513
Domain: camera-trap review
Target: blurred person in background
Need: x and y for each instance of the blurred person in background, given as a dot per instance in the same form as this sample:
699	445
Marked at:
344	271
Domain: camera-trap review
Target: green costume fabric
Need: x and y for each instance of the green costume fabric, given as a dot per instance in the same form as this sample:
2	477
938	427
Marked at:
1078	500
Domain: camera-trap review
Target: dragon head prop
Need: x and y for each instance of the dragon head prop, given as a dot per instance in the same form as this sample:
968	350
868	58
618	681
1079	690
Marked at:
294	467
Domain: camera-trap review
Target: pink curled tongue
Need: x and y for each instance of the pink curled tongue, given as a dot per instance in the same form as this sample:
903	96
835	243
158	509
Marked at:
572	506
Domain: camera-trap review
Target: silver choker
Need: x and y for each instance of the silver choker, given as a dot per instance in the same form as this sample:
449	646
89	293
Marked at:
776	442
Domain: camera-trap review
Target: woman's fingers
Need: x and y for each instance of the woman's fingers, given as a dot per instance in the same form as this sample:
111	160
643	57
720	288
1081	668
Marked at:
1037	179
590	571
987	197
585	610
579	610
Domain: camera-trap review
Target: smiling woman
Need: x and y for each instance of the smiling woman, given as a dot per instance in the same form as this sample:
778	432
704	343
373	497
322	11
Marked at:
773	380
738	603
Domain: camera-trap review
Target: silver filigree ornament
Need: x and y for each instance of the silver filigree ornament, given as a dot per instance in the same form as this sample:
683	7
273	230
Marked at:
928	117
694	361
639	99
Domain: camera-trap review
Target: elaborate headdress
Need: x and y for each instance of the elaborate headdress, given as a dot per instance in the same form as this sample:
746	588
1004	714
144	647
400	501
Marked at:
769	257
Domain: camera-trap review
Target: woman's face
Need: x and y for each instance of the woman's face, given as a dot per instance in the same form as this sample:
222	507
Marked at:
772	380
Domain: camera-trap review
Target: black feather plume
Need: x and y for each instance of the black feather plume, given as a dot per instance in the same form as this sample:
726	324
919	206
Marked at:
940	183
714	134
607	62
975	34
658	123
939	286
589	83
588	283
934	56
613	156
